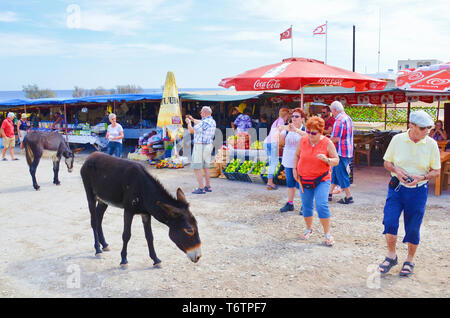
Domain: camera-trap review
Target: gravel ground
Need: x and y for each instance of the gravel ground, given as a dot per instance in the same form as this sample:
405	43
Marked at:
249	248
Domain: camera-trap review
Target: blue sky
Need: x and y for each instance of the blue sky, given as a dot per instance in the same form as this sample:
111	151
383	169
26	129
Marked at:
60	44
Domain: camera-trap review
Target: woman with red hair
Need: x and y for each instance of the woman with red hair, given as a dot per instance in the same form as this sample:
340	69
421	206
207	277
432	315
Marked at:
315	156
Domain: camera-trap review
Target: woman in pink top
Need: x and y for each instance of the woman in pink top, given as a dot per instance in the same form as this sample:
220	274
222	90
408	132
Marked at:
271	146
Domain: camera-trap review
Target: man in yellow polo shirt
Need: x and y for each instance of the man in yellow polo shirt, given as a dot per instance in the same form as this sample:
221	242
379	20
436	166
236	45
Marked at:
413	159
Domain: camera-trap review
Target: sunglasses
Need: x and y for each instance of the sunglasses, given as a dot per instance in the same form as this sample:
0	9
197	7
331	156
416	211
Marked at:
312	133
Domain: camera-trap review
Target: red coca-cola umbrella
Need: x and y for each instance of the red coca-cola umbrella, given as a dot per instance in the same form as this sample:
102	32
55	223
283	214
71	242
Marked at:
434	78
295	73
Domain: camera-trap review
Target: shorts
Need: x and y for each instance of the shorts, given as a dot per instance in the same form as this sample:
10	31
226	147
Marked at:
410	201
23	133
9	142
339	175
290	181
201	156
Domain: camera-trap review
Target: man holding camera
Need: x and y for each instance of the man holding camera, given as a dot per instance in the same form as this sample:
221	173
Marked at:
413	159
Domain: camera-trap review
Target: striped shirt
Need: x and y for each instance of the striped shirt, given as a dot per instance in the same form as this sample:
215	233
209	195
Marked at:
343	129
205	131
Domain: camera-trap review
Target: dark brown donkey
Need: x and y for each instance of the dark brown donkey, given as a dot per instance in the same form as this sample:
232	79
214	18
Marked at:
126	184
37	142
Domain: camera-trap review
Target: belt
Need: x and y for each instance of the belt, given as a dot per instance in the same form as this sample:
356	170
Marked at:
413	187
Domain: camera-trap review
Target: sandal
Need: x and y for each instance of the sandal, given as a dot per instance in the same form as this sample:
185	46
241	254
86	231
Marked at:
386	268
330	197
199	191
407	271
307	234
346	200
330	240
272	187
207	189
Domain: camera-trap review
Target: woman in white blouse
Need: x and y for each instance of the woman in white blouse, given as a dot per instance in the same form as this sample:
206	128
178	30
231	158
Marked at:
290	136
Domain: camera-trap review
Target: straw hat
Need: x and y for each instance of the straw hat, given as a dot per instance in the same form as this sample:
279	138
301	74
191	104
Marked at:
25	115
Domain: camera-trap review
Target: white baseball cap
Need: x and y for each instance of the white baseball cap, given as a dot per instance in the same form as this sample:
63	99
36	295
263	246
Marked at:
10	114
421	119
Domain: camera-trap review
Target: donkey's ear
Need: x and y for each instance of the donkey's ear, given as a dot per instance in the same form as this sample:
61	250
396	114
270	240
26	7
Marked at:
170	209
180	196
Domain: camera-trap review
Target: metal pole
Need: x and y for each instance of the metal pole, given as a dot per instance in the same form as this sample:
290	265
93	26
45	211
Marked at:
326	40
301	98
140	123
439	104
379	40
353	68
407	116
65	122
385	116
292	42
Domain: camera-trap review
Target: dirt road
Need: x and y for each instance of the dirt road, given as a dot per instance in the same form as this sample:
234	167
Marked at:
249	248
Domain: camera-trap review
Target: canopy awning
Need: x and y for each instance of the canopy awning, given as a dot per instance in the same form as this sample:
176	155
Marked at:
218	97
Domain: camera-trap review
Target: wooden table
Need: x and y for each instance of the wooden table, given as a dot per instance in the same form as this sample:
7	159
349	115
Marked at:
445	156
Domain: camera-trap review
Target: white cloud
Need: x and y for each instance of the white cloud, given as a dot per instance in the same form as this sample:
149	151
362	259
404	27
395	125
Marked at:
249	36
409	28
121	17
13	45
8	16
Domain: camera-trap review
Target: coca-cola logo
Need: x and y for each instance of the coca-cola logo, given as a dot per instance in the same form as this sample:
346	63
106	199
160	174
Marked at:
330	81
416	76
270	84
438	81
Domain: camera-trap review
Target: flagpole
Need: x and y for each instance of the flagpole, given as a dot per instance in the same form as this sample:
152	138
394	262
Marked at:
292	42
326	40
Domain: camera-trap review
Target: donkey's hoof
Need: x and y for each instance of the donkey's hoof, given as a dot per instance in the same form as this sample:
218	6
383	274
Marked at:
37	188
124	266
99	255
158	265
106	248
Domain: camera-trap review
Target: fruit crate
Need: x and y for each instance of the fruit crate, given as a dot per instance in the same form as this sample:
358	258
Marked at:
275	176
277	180
244	176
256	178
234	176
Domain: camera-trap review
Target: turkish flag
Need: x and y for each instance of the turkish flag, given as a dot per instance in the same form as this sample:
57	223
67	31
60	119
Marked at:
286	34
320	30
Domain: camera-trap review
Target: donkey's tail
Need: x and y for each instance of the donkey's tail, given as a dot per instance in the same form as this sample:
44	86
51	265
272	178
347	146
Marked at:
28	152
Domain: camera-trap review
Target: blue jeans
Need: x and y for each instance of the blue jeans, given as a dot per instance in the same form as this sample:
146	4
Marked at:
320	195
114	149
410	201
273	158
